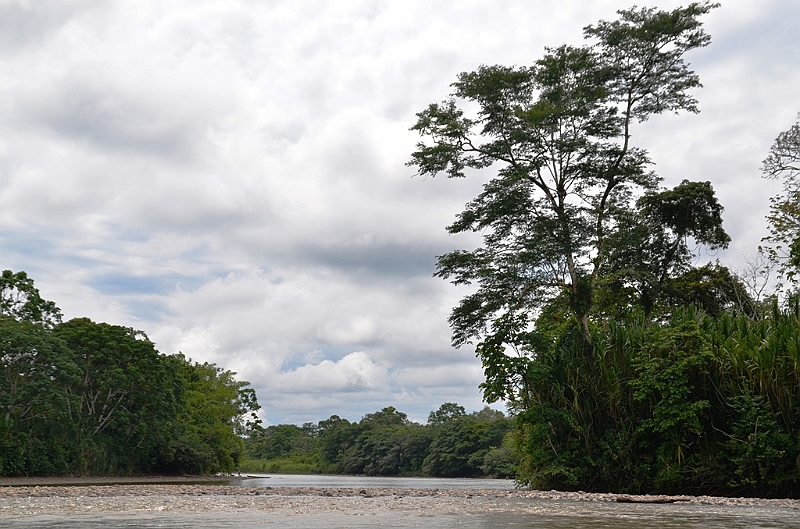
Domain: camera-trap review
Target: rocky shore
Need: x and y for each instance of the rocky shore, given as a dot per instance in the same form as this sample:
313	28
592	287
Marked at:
21	496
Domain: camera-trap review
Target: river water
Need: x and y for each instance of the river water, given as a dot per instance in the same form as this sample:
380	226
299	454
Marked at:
355	482
463	512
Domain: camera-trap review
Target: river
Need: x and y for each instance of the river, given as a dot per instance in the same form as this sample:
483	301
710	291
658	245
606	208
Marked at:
463	511
354	482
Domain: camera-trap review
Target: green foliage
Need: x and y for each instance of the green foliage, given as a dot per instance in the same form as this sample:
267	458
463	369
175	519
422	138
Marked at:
758	446
559	134
649	254
447	412
124	385
713	288
81	397
499	462
20	299
629	368
697	404
214	404
460	445
279	441
386	443
287	465
386	449
669	373
336	435
35	426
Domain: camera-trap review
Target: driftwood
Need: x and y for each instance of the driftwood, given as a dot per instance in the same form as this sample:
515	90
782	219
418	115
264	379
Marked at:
651	499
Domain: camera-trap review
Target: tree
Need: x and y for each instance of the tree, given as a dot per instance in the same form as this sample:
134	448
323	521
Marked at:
213	410
278	441
783	162
384	443
336	435
36	371
126	400
447	412
650	248
81	397
461	444
21	300
559	133
714	288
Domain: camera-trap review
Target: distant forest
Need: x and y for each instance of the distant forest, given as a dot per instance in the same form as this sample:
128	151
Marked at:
86	398
452	444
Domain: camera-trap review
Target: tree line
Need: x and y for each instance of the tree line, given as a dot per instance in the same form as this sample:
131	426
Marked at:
453	443
86	398
629	367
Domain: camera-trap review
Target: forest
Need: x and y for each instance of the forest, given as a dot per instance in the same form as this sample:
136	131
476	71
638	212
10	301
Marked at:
86	398
453	443
629	363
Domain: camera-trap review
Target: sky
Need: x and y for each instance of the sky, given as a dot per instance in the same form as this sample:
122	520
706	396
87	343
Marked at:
229	176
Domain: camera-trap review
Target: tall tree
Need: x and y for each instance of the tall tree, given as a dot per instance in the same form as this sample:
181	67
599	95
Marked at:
559	133
783	162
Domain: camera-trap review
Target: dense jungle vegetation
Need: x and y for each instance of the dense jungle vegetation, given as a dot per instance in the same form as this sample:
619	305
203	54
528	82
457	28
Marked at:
385	443
86	398
629	367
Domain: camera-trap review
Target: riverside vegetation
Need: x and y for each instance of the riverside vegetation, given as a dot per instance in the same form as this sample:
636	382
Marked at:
85	398
628	367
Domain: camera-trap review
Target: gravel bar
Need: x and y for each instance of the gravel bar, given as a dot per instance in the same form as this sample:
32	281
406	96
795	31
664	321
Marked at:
189	495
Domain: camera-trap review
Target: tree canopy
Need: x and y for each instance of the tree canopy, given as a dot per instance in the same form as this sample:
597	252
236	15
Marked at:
21	300
80	397
560	134
385	443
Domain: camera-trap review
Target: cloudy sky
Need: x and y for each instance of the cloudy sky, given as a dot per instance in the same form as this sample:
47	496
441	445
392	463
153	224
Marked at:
229	176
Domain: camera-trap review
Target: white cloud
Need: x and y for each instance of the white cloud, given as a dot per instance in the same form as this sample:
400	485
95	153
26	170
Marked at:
354	372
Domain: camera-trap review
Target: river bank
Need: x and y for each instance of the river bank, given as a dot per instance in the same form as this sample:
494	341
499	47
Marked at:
95	493
207	505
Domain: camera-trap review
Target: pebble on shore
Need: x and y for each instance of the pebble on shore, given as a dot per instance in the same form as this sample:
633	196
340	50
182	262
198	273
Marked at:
167	490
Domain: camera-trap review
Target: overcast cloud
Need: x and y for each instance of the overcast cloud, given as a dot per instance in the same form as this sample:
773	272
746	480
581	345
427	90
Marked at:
229	176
